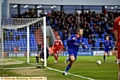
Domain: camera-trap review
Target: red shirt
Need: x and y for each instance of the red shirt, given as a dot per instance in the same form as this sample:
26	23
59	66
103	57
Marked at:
58	44
16	50
117	26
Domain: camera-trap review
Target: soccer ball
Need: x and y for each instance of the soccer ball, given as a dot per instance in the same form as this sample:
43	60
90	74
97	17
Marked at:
99	62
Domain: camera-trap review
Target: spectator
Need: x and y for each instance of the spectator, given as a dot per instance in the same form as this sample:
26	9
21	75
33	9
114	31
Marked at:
100	32
93	41
16	50
101	45
11	35
90	40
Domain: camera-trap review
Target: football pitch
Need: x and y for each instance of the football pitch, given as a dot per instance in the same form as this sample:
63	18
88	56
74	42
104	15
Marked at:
84	68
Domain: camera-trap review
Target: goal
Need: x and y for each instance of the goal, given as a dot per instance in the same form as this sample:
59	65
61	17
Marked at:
20	40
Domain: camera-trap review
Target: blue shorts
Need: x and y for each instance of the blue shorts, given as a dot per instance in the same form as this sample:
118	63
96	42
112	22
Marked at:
72	53
107	51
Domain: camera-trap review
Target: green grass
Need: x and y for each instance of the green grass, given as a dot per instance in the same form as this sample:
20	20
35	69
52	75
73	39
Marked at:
84	66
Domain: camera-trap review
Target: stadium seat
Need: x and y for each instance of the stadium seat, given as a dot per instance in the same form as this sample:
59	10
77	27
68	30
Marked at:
85	39
65	41
48	22
103	35
61	34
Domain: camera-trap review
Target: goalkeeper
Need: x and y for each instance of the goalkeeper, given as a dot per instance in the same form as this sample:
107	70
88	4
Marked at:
40	55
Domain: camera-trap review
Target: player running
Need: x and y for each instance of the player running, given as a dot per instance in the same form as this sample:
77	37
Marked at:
117	37
107	46
58	46
73	45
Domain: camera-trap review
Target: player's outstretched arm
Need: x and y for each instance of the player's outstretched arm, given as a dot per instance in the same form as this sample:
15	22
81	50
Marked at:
83	45
72	37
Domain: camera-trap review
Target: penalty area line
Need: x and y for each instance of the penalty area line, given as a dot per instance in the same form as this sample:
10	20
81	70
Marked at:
87	78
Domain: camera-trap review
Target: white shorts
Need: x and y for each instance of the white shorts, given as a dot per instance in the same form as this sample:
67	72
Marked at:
118	60
42	59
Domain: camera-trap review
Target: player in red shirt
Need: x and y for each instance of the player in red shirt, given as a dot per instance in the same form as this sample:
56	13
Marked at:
117	37
58	46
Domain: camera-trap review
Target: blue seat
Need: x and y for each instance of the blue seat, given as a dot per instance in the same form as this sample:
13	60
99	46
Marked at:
89	45
103	35
99	39
65	44
65	41
48	22
61	34
86	43
24	48
85	39
102	39
6	49
97	35
53	26
81	49
33	48
97	45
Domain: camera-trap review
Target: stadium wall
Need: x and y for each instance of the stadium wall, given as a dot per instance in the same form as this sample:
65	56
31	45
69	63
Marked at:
86	53
66	2
49	32
62	2
4	8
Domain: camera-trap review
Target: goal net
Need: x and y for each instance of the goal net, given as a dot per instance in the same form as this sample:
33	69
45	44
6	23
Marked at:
20	40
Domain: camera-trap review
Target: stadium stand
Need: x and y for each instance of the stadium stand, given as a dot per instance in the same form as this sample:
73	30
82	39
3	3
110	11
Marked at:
96	27
18	38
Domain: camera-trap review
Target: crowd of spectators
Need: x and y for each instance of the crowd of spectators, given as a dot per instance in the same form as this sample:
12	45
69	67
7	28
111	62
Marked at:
91	22
94	24
28	14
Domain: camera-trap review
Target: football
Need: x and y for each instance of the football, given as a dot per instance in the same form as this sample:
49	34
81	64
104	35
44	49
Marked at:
99	62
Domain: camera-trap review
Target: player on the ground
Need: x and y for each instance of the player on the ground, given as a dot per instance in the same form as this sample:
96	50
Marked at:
117	37
58	46
107	47
73	45
40	55
38	52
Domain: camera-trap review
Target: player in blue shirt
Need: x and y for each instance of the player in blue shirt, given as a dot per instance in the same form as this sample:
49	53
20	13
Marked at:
73	45
107	47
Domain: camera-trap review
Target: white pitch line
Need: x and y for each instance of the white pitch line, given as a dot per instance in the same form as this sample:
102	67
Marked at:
70	74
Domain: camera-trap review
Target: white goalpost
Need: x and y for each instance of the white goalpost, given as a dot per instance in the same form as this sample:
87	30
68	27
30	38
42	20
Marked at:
23	34
45	43
28	48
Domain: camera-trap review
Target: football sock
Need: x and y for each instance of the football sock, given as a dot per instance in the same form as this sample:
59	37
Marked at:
68	59
68	67
104	58
37	59
55	57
